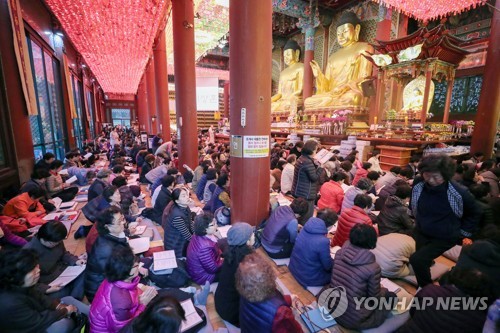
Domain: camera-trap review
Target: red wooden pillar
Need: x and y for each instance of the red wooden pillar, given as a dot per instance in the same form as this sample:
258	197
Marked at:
428	79
250	80
142	105
152	123
488	109
226	100
185	82
377	104
161	81
447	103
308	57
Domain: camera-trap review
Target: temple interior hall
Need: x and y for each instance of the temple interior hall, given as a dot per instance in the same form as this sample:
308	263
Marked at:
249	166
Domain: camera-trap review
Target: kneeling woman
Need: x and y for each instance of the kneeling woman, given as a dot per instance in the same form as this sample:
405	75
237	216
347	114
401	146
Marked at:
23	308
119	299
262	307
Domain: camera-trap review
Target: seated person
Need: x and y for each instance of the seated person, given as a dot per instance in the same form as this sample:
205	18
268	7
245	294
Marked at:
394	217
262	307
393	253
119	298
364	185
220	196
46	161
179	179
203	255
352	216
146	167
199	171
26	206
310	262
118	170
387	191
240	239
56	187
210	185
361	173
389	178
84	176
162	199
163	314
332	194
53	260
281	228
200	189
99	184
356	270
484	255
23	308
110	226
463	284
39	180
159	171
177	223
7	237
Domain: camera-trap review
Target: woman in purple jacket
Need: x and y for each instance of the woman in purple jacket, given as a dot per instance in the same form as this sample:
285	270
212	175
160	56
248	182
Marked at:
203	255
119	298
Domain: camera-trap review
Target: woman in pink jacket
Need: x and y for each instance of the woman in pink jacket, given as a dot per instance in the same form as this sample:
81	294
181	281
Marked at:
332	193
119	299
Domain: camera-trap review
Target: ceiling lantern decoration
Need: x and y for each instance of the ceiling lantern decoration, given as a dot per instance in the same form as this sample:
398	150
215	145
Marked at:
114	37
427	10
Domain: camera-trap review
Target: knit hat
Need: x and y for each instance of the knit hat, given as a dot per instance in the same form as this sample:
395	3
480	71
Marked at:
103	173
239	233
223	216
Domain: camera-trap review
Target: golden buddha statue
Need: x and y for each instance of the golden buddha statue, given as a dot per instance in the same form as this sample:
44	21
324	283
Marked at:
340	85
413	95
289	95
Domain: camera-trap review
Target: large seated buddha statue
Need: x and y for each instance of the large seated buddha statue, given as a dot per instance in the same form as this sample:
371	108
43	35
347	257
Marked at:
289	95
340	85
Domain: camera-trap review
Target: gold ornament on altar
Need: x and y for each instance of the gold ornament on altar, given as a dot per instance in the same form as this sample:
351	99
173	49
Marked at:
289	95
413	95
340	85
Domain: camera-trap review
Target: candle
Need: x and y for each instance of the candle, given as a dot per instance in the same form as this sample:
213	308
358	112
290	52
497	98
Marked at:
375	120
406	121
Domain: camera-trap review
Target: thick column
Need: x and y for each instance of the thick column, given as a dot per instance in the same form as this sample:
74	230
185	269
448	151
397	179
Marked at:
250	82
226	100
428	79
161	81
447	103
152	125
488	109
185	82
308	57
142	105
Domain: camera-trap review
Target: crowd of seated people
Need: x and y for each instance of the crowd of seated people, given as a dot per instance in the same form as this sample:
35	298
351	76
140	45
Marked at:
426	209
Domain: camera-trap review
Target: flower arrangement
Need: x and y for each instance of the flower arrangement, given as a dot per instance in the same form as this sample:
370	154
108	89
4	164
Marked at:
390	115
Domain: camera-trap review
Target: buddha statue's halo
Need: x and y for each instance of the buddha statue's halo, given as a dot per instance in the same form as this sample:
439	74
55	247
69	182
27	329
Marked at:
291	45
349	17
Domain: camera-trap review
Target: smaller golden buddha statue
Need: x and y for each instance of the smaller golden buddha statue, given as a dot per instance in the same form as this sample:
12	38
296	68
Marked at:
413	95
340	84
289	96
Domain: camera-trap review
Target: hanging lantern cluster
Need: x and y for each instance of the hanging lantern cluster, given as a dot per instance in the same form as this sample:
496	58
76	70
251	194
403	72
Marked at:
114	37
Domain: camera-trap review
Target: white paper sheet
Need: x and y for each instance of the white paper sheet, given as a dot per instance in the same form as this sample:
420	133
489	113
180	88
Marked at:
71	180
164	260
223	230
139	245
192	317
68	275
391	286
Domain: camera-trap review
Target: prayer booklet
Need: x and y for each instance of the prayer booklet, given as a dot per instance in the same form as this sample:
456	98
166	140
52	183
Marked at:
192	317
164	260
391	286
87	156
68	205
139	245
139	230
63	172
82	198
68	275
71	180
323	156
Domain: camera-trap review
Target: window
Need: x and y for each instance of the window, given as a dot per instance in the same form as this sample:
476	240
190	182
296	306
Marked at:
78	122
47	127
90	103
464	96
121	117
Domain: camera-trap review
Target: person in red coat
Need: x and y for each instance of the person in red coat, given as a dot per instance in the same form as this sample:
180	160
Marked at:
362	172
332	193
352	216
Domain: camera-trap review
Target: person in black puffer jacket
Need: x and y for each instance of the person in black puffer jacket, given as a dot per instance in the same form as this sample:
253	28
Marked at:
305	177
394	216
